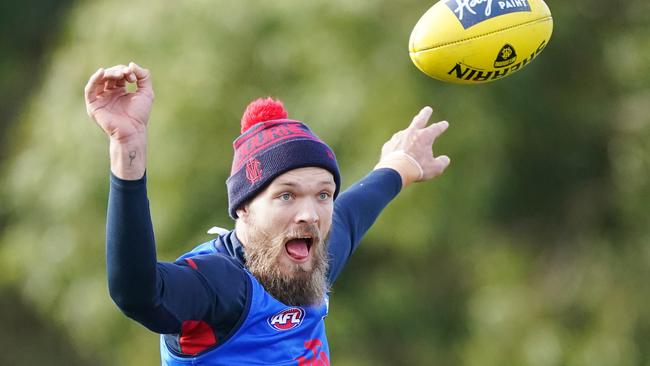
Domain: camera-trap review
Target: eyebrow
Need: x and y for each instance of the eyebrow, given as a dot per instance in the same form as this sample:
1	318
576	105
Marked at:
321	183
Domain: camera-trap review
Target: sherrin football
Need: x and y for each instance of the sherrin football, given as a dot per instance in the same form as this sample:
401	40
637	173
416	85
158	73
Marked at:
478	41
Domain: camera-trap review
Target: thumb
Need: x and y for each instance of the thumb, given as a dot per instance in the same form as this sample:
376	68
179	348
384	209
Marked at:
439	165
143	78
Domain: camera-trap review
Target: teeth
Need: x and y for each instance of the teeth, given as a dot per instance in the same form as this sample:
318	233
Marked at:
308	238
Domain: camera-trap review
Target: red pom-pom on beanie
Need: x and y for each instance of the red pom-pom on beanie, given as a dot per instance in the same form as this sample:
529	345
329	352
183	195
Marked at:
261	110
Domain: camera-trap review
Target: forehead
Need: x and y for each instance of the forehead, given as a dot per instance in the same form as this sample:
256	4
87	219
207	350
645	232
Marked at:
304	177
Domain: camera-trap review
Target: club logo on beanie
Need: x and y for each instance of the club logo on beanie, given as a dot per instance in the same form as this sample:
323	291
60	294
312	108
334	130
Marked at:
270	144
253	171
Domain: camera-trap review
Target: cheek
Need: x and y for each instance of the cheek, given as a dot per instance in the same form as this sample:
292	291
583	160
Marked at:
269	219
276	220
326	217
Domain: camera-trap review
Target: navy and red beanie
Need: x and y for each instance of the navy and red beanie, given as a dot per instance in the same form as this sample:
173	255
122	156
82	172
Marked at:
270	144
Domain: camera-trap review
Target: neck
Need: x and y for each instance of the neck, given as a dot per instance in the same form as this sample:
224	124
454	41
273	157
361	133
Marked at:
241	231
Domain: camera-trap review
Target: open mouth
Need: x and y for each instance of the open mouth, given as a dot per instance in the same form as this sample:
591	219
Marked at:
298	248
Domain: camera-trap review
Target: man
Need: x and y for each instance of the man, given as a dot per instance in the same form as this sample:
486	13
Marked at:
256	295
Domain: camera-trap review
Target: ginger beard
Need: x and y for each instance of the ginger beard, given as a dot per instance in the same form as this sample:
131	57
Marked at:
289	282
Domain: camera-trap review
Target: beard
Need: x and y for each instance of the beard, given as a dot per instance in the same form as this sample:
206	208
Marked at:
291	284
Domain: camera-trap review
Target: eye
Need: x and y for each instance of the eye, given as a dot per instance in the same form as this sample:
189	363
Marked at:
323	196
285	197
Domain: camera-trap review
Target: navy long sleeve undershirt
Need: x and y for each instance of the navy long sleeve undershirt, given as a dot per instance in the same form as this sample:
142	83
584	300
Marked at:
162	295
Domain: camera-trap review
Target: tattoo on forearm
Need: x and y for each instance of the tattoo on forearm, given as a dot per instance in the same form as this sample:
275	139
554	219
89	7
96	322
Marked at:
131	157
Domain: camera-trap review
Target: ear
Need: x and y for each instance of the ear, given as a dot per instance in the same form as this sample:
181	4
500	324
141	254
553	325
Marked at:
242	212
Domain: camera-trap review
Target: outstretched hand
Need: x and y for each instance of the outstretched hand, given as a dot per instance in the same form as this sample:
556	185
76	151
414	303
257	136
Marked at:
410	151
122	115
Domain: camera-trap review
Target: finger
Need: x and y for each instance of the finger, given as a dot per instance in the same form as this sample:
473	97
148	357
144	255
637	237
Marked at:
128	74
438	127
439	165
421	119
431	133
143	77
110	84
94	85
116	72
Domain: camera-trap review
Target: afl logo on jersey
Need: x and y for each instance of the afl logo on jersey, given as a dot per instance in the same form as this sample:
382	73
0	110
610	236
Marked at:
286	319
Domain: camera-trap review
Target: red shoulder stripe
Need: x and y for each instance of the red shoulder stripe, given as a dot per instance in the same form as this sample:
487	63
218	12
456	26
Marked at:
191	263
196	336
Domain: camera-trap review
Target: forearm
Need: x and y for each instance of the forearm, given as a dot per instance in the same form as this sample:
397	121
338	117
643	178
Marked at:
130	247
360	205
129	158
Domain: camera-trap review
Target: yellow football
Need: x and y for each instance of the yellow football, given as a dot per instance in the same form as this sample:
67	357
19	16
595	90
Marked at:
477	41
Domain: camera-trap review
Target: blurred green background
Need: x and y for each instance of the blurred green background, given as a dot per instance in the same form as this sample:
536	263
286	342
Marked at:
532	249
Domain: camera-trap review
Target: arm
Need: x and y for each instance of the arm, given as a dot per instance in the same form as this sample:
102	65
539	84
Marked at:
355	210
406	158
134	279
161	296
158	295
141	287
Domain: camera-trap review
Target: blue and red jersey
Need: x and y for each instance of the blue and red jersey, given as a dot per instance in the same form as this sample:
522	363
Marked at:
271	333
206	305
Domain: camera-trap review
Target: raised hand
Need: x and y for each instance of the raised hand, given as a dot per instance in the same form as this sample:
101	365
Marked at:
122	115
410	151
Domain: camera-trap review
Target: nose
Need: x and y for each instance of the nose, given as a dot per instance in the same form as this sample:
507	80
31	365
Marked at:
307	213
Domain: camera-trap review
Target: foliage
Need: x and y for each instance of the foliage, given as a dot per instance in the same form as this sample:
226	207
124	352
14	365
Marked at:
531	250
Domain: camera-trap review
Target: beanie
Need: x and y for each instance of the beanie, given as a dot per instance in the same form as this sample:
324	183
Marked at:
270	144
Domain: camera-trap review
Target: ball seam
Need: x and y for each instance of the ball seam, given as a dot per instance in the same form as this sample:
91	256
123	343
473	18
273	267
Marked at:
538	20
